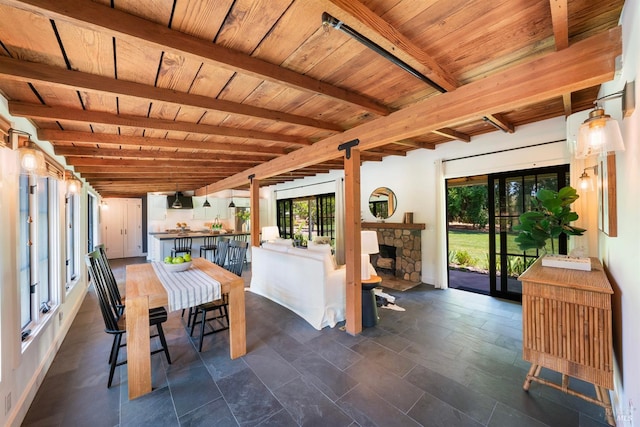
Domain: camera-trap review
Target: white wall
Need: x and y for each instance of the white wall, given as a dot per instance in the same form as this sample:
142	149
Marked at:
23	366
621	254
413	178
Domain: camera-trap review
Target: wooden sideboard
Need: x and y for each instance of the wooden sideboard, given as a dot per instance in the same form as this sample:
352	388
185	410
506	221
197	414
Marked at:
566	322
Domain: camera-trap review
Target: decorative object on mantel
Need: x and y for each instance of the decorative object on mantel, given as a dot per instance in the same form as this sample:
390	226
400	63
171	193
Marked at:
408	217
549	219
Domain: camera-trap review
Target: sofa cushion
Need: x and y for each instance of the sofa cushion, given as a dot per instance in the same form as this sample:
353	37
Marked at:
275	247
323	248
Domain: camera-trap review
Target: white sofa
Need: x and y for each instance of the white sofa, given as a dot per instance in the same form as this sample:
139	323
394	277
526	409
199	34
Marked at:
306	281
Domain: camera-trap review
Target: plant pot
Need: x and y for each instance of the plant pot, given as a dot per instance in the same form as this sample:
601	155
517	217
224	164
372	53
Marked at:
565	261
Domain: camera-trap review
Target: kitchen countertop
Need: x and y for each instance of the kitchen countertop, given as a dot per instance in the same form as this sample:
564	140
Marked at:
163	235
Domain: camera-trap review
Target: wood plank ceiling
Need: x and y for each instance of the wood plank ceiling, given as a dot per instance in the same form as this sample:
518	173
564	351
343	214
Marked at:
159	95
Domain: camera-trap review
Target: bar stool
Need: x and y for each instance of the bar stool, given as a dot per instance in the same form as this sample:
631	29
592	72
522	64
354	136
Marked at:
209	245
181	245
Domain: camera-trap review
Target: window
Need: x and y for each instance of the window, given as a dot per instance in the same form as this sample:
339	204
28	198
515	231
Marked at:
37	235
24	251
71	226
309	216
43	241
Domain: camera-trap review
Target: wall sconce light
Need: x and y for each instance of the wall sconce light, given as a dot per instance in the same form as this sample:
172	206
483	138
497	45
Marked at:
585	181
73	184
206	203
600	133
104	205
32	159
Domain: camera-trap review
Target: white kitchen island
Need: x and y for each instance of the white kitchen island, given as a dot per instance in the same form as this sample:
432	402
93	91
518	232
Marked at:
162	242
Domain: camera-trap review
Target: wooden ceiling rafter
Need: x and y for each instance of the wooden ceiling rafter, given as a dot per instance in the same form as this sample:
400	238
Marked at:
560	22
155	154
136	30
31	72
76	137
584	64
44	112
389	38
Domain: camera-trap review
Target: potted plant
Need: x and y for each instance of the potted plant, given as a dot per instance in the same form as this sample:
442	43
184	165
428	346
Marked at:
550	217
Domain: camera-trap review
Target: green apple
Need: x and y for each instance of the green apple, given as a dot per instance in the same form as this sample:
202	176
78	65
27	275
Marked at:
187	257
178	260
168	260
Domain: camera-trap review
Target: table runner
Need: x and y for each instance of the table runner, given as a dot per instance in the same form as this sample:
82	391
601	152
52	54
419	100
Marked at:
187	288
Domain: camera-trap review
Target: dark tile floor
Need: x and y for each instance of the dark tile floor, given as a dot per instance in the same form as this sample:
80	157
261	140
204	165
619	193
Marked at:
453	358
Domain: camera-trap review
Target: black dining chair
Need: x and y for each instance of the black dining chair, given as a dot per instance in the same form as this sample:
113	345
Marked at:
235	254
221	253
116	298
209	245
114	321
181	245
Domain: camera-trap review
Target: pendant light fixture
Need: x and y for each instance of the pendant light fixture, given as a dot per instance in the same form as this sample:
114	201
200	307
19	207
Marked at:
206	203
231	204
176	203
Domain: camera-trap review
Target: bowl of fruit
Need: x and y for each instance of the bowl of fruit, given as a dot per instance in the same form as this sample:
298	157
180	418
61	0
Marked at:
178	263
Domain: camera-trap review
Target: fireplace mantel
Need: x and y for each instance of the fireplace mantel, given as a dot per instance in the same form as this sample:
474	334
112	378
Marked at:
392	225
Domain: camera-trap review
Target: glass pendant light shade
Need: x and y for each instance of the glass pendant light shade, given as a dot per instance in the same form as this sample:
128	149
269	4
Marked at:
32	160
598	134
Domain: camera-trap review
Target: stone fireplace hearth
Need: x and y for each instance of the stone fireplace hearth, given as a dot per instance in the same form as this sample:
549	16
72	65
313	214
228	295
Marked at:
406	239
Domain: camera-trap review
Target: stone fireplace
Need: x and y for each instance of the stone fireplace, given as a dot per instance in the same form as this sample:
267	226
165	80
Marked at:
400	249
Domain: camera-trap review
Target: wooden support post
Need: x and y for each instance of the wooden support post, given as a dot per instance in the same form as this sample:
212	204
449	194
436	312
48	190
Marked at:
352	240
254	190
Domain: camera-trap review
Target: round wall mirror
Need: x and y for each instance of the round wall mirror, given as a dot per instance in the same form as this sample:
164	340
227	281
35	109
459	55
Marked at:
382	202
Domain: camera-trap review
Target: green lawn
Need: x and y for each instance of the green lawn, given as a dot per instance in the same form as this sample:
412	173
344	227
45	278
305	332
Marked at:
476	244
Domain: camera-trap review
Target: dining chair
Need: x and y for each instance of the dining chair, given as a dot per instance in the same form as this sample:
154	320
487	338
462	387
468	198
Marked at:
221	253
219	258
235	256
209	245
114	321
116	298
181	245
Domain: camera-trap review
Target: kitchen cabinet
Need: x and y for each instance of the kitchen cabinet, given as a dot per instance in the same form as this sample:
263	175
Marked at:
157	207
122	228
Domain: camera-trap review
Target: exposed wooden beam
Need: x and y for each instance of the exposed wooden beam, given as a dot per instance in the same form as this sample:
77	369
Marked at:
361	18
416	144
145	141
45	112
499	121
176	164
452	134
584	64
154	154
566	103
141	32
560	21
30	72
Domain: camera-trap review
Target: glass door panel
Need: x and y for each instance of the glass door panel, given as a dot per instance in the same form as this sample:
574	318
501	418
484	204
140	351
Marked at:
511	195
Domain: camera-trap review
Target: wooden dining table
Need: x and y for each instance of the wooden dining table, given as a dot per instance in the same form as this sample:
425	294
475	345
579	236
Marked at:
144	291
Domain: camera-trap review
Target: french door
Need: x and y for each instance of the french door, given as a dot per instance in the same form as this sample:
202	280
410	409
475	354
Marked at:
510	194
